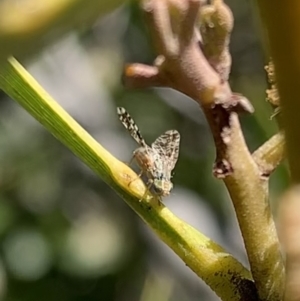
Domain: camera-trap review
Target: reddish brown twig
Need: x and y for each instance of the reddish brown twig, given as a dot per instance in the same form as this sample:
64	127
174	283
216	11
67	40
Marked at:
197	63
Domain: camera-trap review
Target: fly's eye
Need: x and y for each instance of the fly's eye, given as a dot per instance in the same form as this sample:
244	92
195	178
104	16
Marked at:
157	189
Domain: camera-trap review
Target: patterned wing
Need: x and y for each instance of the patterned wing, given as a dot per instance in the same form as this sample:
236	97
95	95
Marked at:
130	125
167	145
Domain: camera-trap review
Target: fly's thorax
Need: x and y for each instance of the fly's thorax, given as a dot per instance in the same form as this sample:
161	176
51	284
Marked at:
145	158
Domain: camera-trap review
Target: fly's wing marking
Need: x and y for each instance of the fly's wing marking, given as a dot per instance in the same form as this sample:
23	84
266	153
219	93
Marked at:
131	126
167	145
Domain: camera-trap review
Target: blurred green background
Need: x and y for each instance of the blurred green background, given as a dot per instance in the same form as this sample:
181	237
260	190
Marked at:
64	234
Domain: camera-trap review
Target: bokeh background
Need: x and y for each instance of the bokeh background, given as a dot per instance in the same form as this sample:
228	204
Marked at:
64	234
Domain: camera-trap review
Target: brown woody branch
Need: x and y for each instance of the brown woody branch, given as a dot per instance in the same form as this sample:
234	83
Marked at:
197	64
270	154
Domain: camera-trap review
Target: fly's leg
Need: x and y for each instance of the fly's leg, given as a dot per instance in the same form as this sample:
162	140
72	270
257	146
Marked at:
149	184
130	162
138	177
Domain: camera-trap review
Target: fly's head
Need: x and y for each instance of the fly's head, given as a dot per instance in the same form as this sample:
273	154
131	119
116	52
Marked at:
162	186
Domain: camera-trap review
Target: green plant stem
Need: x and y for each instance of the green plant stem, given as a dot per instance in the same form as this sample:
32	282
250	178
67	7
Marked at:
221	271
249	194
